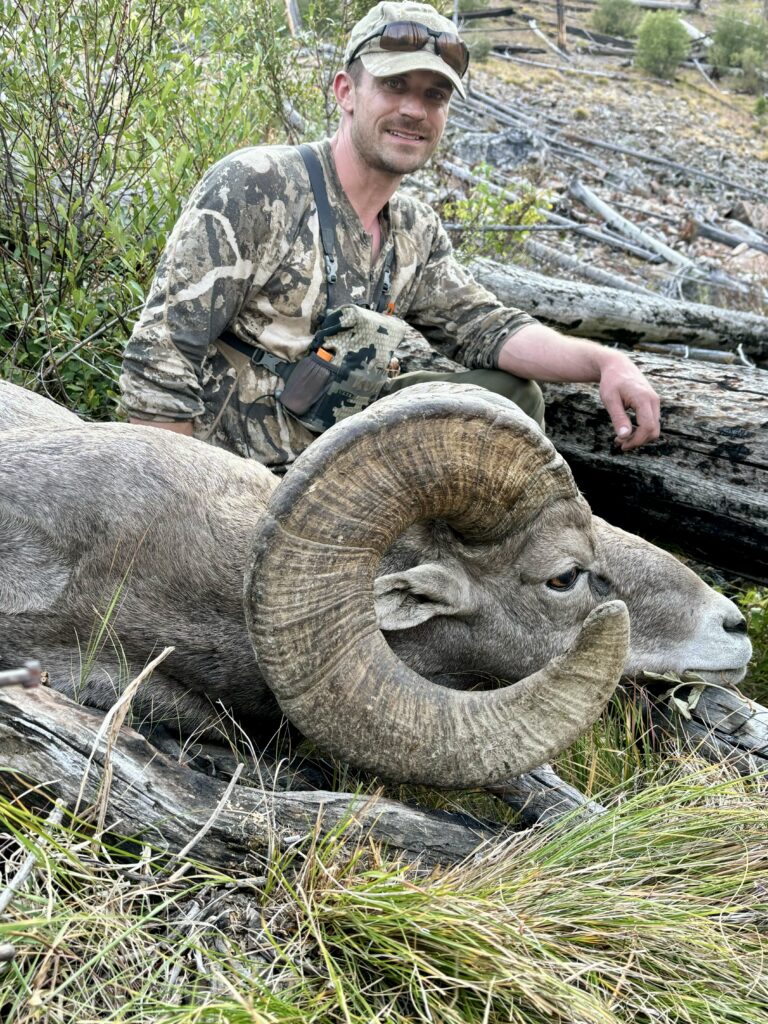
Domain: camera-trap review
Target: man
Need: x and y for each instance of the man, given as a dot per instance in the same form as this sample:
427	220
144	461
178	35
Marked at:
242	285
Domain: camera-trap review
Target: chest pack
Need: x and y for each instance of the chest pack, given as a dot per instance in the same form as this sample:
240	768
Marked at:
352	353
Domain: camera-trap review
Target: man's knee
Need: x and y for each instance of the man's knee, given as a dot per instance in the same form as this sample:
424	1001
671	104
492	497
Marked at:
526	394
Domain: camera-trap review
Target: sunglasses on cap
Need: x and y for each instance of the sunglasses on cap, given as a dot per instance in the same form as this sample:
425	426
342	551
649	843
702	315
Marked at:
409	36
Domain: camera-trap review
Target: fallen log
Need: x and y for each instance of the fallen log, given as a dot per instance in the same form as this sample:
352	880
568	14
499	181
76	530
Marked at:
716	722
696	227
688	6
706	355
542	798
501	52
54	744
703	485
605	314
576	265
547	42
577	190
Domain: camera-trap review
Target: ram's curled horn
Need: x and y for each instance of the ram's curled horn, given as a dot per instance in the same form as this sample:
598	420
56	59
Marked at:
449	452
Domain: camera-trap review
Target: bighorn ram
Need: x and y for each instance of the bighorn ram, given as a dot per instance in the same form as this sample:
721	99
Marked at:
441	516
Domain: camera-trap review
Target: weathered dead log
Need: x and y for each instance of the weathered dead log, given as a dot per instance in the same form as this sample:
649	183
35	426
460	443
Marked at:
703	485
718	723
293	17
660	161
54	743
605	314
706	355
541	798
687	6
580	192
574	264
547	42
695	226
500	51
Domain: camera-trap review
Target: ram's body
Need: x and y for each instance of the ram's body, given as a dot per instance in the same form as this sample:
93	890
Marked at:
117	540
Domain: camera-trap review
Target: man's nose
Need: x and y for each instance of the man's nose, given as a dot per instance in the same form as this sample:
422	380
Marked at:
412	105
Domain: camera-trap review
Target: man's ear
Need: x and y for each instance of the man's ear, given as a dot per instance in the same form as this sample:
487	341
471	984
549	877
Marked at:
406	599
344	91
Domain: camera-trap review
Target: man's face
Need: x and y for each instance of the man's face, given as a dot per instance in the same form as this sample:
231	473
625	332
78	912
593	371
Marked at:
397	122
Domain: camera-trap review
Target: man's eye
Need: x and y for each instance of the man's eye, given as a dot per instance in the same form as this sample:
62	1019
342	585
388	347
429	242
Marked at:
565	580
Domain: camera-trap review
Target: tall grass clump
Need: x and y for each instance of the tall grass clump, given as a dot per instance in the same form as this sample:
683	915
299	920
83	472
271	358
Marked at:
653	912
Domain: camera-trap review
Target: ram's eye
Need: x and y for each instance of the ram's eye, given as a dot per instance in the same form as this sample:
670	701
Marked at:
565	580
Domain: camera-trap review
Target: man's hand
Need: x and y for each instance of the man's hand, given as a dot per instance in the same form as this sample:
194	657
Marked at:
536	352
623	387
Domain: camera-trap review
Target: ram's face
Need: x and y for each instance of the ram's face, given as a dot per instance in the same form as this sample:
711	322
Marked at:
503	612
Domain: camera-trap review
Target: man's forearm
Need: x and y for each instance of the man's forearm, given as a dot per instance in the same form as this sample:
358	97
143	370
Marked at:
537	352
177	426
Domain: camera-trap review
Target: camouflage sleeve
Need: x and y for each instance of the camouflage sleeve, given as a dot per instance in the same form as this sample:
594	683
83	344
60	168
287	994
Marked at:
218	249
450	307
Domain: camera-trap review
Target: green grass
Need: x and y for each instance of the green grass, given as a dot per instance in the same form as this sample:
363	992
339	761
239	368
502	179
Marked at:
754	604
649	913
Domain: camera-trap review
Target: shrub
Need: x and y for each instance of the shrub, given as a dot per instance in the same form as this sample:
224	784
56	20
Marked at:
753	64
480	46
616	18
661	44
733	36
109	113
485	206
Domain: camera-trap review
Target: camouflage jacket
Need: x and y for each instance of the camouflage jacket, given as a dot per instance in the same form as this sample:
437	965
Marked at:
245	256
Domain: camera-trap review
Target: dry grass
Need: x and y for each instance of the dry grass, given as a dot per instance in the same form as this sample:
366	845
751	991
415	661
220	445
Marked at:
656	911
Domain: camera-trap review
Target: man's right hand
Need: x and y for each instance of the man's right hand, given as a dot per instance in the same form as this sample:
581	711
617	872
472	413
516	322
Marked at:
176	426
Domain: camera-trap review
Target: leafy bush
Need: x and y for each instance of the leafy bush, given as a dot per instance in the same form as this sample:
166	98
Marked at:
486	206
662	43
109	113
753	64
616	18
733	35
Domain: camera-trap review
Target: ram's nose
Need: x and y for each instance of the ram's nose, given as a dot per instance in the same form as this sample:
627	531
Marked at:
735	623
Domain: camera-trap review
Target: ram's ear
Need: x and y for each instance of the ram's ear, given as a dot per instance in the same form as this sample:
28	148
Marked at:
406	599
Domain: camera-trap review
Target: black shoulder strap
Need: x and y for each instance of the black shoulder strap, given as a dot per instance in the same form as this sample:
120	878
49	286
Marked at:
326	218
379	299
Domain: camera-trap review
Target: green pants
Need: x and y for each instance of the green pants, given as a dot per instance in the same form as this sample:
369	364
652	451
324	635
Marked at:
526	394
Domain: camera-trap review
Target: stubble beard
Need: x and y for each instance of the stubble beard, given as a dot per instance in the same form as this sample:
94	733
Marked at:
366	144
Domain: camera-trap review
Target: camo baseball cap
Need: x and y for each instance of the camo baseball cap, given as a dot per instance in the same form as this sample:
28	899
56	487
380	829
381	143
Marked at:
381	63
